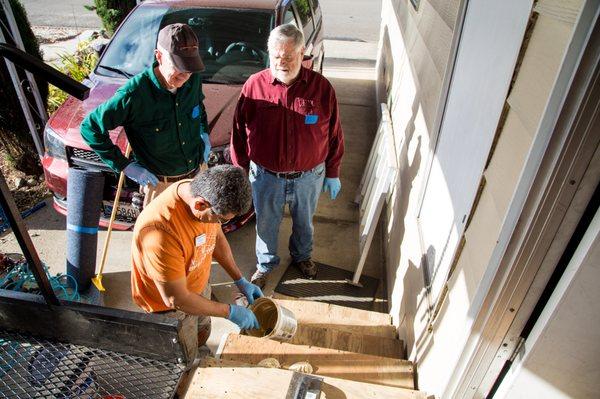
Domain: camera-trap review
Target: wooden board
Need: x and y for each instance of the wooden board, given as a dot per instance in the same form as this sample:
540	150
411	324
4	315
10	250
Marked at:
564	10
325	362
339	318
326	337
539	68
216	379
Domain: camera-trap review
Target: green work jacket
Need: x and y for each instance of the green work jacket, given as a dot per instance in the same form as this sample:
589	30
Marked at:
163	128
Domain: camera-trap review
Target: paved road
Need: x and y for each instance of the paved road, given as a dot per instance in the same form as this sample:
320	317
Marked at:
352	20
63	13
348	20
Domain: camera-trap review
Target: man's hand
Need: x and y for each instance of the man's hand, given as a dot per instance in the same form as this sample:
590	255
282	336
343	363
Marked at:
251	291
140	175
244	318
333	185
206	140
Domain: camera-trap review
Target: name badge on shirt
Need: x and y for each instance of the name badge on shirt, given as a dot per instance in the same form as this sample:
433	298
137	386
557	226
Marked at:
201	239
196	111
311	119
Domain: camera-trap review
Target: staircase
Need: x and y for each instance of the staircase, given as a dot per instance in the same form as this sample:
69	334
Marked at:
355	351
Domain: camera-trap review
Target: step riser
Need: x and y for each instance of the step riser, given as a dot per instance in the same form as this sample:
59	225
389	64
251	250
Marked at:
340	318
346	341
325	362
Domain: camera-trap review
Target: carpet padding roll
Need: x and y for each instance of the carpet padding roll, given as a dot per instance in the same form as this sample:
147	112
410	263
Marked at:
84	202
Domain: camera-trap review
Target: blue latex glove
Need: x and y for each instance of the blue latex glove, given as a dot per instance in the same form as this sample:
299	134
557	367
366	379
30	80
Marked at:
334	185
140	175
251	291
243	317
206	140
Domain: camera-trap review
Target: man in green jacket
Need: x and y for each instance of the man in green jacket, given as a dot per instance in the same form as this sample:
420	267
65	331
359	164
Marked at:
162	112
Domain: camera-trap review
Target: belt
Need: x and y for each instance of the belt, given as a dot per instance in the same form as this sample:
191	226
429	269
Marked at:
285	175
173	179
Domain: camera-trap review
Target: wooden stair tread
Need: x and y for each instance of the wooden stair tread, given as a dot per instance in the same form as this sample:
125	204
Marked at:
325	361
325	337
340	317
216	379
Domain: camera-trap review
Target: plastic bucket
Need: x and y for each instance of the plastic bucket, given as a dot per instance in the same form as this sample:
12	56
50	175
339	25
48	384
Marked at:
276	322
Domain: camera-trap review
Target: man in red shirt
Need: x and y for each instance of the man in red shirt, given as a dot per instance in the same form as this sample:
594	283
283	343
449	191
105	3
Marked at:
287	133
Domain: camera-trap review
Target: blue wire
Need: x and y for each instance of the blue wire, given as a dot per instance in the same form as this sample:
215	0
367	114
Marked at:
20	275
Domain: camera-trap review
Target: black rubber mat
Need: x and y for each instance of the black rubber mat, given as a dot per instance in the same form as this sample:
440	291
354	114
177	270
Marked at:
330	286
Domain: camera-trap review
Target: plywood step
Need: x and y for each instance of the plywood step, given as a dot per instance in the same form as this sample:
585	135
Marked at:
217	379
340	317
325	362
326	337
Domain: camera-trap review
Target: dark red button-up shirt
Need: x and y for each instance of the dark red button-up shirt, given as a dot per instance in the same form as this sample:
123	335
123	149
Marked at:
288	128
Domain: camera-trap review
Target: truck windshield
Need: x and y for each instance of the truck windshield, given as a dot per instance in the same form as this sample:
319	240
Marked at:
233	43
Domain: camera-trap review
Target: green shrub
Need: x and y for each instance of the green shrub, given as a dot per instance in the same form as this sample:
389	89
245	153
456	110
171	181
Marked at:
112	12
78	66
15	137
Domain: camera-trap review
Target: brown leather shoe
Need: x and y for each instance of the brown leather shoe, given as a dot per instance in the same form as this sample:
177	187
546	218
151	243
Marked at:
307	267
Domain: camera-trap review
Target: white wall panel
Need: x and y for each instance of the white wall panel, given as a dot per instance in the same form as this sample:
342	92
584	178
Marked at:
490	43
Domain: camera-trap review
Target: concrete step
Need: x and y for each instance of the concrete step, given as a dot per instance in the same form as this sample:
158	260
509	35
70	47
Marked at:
339	317
231	379
325	362
327	337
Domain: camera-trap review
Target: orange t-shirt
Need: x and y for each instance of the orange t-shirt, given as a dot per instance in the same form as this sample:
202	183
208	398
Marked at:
169	243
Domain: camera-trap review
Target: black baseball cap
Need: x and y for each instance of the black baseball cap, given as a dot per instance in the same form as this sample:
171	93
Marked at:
182	44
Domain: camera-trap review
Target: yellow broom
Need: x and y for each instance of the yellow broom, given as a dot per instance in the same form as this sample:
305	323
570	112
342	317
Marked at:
98	279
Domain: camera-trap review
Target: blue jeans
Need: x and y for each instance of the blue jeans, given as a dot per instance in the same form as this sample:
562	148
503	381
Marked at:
270	194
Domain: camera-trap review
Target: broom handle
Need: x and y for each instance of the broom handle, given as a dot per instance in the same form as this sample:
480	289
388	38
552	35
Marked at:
113	213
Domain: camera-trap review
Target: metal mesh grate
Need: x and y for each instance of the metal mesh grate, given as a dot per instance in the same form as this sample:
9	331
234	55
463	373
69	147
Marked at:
38	368
85	155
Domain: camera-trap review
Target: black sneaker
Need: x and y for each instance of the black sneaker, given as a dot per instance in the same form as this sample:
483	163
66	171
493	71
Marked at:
259	278
307	267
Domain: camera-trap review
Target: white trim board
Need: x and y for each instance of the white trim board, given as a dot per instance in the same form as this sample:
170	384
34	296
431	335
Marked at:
563	295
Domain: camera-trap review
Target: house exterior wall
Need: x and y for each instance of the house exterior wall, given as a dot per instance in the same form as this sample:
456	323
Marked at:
411	71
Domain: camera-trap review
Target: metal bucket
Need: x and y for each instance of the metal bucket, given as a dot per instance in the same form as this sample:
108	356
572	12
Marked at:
276	322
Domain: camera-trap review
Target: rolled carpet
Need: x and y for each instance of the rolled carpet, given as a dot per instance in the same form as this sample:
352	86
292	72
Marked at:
84	202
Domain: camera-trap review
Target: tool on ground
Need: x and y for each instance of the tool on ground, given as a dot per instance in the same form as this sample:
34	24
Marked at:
304	386
98	279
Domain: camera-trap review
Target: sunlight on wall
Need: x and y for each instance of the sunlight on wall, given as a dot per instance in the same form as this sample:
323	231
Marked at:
446	337
412	99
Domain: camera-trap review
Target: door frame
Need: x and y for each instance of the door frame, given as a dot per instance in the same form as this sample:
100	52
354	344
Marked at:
558	180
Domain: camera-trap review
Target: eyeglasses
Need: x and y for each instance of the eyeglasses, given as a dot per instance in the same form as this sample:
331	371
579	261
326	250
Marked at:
220	218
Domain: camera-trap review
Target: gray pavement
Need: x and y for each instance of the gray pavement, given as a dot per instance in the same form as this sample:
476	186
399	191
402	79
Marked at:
69	13
351	20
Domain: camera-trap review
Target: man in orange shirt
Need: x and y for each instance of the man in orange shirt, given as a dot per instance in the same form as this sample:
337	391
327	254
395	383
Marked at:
175	239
